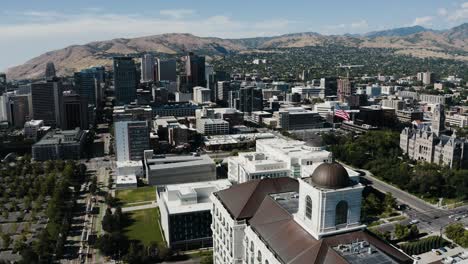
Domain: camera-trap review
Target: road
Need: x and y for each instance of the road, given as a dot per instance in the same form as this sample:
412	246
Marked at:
432	219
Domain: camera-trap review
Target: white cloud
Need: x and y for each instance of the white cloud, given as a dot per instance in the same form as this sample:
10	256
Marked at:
423	21
442	11
457	15
56	30
353	27
360	24
177	13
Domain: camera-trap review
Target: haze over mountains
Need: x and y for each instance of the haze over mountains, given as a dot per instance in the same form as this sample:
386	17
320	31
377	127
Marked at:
416	41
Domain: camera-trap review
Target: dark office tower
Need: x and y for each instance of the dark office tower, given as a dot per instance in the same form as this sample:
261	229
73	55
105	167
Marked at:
3	83
86	85
18	110
160	95
125	80
75	111
330	85
147	68
250	99
46	98
50	73
344	89
194	71
167	70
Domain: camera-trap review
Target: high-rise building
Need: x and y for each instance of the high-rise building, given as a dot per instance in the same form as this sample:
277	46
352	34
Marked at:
131	140
167	70
194	71
210	81
160	95
250	99
46	98
438	119
18	110
125	80
330	85
344	89
147	68
75	111
88	84
50	72
428	78
3	83
222	93
201	95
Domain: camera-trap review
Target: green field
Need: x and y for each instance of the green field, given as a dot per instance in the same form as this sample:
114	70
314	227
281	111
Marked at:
141	194
145	226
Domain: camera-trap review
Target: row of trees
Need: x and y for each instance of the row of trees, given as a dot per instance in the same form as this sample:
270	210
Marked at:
423	245
379	152
50	242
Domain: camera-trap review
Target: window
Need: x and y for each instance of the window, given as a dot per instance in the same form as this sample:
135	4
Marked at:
259	256
266	261
308	208
341	213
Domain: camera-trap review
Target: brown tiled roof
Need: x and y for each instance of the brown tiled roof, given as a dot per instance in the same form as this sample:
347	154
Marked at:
243	200
294	245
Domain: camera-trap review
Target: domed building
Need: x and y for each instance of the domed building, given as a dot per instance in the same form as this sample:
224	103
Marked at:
329	201
314	219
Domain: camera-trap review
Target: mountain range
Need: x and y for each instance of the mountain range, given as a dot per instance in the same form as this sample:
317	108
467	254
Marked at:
415	41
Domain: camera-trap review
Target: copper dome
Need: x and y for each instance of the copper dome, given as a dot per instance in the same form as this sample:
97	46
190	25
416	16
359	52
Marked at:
330	176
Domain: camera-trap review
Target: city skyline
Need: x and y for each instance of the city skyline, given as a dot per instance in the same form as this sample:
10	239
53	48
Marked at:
53	24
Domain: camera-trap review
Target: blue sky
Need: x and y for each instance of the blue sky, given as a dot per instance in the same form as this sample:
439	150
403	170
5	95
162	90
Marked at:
31	27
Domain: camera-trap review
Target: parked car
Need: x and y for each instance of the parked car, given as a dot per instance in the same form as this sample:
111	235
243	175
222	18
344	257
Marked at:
438	253
414	221
443	249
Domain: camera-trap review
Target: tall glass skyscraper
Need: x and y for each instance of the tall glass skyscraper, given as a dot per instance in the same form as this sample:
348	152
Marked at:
125	80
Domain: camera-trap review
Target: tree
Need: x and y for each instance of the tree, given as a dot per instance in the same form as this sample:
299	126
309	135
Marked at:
401	231
389	202
6	240
107	221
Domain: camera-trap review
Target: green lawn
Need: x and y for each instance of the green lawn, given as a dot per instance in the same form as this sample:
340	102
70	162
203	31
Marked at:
141	194
145	227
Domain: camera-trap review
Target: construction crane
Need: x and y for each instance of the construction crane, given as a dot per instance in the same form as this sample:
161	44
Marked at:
348	67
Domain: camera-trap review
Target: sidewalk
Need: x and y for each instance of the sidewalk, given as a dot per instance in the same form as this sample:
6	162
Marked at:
140	207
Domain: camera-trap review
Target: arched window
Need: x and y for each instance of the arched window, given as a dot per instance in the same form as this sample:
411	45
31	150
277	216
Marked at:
259	256
308	207
341	213
266	261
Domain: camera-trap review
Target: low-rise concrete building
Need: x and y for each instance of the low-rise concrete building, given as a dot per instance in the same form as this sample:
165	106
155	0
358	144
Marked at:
164	170
126	182
130	167
60	145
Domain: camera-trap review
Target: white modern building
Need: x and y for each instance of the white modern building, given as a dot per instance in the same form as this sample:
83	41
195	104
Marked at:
201	95
186	213
126	182
276	158
130	167
174	169
209	126
315	219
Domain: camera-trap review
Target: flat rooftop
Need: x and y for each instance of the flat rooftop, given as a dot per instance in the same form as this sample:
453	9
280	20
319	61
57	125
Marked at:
165	162
126	179
191	197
